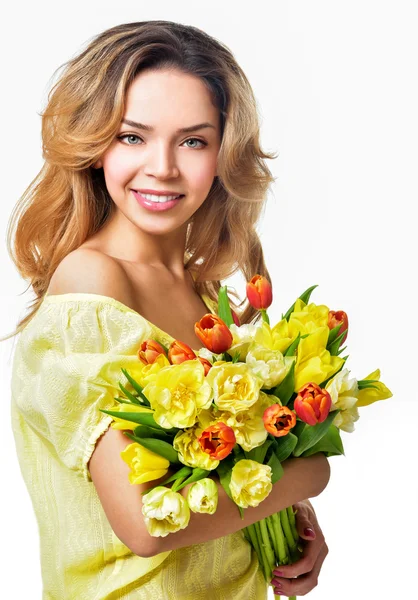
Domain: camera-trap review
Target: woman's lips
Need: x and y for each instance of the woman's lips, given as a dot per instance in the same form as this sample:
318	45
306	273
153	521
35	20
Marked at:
156	206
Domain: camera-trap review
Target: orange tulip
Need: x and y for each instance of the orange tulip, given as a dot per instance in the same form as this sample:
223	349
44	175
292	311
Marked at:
179	352
259	292
217	440
279	420
149	350
214	333
207	365
335	318
312	404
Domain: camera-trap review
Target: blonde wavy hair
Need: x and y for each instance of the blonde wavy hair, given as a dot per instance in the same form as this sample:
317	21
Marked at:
67	202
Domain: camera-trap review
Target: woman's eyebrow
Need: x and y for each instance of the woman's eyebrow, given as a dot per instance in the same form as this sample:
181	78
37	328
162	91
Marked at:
181	130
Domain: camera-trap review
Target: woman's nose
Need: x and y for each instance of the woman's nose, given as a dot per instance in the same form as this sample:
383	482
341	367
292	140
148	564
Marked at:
161	162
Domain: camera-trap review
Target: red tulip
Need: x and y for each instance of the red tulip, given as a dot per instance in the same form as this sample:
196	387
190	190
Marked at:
179	352
259	292
214	333
279	420
217	440
312	404
149	351
335	318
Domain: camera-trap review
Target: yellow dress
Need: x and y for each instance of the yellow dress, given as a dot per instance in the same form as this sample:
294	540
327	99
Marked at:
67	364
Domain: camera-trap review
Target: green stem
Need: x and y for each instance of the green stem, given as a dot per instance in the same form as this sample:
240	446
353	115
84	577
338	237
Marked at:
267	547
292	521
264	562
286	529
254	541
273	537
280	539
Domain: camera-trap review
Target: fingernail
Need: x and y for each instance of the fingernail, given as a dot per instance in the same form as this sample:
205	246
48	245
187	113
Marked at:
277	584
278	573
309	532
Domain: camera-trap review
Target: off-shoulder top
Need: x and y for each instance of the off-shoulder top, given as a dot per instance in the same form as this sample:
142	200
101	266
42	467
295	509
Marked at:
66	366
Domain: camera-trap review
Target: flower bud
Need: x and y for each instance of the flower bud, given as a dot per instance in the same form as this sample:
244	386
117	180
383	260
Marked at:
312	404
179	352
214	333
202	496
217	440
164	511
336	318
250	482
259	292
145	464
279	420
149	351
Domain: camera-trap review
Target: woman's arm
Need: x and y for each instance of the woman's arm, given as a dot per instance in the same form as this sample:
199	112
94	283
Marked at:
302	478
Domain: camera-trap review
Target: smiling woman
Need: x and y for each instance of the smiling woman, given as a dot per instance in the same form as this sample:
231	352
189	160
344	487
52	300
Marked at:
109	250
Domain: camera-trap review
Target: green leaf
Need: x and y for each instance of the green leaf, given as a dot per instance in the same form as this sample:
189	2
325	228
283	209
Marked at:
367	383
123	401
334	347
331	444
304	297
143	418
224	470
292	348
224	309
178	474
138	388
195	476
311	434
276	467
285	446
146	431
258	454
160	447
285	389
128	394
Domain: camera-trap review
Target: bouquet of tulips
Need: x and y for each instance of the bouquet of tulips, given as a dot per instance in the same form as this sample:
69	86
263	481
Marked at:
252	397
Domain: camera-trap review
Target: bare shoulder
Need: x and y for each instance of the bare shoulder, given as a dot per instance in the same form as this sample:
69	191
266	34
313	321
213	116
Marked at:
86	270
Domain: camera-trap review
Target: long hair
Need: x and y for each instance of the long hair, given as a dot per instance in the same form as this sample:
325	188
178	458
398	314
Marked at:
68	202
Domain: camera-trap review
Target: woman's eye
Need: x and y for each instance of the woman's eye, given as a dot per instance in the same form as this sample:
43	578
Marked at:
132	135
129	135
196	140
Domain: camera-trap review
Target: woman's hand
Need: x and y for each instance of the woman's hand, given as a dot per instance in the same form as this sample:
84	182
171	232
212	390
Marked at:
305	570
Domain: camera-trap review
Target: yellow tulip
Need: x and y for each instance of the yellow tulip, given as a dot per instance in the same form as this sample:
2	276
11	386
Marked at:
269	365
234	386
315	364
118	423
178	393
164	511
369	395
309	317
250	483
145	464
276	338
202	496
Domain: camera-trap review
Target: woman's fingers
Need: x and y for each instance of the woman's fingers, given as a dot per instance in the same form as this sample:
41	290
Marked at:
303	584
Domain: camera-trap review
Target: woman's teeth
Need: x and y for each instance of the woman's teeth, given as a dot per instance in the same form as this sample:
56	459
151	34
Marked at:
154	198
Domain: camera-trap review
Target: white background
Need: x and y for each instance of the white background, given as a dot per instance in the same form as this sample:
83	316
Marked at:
336	84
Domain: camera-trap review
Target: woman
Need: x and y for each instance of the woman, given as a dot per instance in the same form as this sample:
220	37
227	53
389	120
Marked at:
153	183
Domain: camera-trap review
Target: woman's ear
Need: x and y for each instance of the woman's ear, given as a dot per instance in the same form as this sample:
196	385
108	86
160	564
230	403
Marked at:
98	164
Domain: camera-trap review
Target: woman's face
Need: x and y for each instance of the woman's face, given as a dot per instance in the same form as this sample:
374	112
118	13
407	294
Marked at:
161	157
